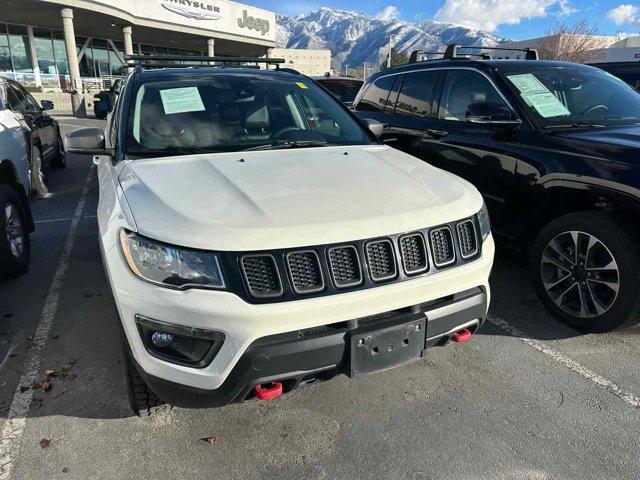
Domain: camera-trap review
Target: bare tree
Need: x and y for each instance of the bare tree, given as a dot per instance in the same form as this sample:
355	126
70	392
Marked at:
579	43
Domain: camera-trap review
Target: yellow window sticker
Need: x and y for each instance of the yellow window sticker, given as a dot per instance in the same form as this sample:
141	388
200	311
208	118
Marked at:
539	97
302	85
181	100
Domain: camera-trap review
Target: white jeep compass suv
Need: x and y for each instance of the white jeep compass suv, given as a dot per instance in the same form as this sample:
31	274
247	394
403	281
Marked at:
258	237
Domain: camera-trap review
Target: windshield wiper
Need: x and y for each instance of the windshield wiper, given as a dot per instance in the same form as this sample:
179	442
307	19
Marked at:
288	144
579	124
172	149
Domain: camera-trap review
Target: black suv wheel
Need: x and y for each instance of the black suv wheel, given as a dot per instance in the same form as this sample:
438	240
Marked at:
586	271
60	158
15	248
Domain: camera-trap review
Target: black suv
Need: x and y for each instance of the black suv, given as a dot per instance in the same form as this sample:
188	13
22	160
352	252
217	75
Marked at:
627	71
554	149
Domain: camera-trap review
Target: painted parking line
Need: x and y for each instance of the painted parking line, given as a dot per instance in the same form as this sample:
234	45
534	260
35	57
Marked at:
16	420
625	395
56	220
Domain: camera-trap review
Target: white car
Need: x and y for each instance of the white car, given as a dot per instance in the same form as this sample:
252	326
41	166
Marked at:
16	222
257	237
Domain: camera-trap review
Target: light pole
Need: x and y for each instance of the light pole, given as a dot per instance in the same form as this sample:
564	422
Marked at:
364	71
389	57
346	70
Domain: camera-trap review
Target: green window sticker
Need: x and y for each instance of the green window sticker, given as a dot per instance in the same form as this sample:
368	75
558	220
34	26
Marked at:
539	97
181	100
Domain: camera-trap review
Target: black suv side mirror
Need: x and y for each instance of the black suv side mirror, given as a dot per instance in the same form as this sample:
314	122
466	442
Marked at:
87	141
47	105
491	113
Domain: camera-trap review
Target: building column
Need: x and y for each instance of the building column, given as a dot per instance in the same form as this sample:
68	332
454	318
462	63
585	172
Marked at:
268	54
127	33
34	57
72	58
211	49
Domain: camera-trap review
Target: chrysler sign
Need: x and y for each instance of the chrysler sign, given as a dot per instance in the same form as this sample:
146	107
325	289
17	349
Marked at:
193	9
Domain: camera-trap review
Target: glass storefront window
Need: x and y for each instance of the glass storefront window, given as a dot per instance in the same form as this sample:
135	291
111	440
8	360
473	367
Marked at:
86	64
101	57
20	53
5	53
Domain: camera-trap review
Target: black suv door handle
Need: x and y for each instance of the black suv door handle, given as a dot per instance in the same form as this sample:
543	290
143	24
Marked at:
437	133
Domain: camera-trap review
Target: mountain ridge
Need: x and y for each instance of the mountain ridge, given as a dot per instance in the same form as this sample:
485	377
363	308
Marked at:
355	37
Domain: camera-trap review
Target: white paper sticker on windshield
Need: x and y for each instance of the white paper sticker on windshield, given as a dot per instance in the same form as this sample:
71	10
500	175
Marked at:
538	96
181	100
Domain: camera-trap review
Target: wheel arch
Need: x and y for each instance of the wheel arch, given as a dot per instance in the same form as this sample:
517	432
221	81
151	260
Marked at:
561	198
9	176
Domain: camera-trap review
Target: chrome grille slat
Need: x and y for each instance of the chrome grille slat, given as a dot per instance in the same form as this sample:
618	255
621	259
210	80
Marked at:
261	275
381	259
414	253
344	263
305	271
442	246
467	238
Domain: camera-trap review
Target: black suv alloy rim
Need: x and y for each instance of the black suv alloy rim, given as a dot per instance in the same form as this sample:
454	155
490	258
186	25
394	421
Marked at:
580	274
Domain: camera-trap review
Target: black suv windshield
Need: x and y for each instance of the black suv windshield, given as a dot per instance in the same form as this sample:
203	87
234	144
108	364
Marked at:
573	95
345	90
224	112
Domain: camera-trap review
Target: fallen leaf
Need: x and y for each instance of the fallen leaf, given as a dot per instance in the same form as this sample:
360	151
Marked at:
45	442
70	376
58	393
36	385
49	372
73	361
23	388
67	367
213	439
36	403
46	386
65	470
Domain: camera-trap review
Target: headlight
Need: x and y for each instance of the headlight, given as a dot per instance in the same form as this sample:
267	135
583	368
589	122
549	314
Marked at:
170	266
483	220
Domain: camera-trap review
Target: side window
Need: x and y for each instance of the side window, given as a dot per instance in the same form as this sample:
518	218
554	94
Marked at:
376	97
466	93
416	94
17	100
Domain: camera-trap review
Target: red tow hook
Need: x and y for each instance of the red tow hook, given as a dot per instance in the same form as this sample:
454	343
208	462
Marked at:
268	391
461	336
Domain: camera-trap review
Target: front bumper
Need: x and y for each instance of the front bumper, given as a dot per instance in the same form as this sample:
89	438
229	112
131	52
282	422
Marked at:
243	324
304	357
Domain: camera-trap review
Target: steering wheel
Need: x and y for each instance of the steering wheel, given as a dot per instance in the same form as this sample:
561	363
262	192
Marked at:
279	133
594	108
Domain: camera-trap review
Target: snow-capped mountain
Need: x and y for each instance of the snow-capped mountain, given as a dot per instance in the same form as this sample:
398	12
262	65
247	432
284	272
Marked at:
355	38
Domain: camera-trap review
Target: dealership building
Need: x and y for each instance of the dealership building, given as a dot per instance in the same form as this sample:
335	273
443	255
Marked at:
73	45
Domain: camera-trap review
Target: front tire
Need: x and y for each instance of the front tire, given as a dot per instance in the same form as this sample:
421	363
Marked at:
586	271
60	158
142	400
15	246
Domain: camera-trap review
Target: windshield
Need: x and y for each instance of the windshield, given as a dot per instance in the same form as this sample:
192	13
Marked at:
233	112
344	90
573	95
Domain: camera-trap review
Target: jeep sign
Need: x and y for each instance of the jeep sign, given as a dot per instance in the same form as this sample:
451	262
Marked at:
252	23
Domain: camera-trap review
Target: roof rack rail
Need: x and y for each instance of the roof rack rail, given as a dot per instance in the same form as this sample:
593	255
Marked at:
418	56
164	61
452	51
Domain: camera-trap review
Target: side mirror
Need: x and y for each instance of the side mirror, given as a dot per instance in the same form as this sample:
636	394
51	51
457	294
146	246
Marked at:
491	113
47	105
375	126
86	141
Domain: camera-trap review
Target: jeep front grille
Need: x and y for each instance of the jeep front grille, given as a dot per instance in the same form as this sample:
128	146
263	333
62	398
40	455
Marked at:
467	239
414	253
261	275
442	246
381	259
344	263
305	271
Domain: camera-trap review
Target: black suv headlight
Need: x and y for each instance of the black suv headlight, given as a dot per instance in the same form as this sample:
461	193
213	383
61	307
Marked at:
484	221
171	266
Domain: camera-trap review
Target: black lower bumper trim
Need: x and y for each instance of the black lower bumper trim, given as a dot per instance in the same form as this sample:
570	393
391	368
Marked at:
307	356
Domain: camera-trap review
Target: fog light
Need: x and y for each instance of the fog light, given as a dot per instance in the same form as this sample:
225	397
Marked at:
161	339
194	347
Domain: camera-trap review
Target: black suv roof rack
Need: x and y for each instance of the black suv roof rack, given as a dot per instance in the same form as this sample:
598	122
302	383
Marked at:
452	51
418	56
164	61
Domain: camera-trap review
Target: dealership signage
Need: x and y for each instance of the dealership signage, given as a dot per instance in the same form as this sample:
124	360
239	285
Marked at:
193	9
252	23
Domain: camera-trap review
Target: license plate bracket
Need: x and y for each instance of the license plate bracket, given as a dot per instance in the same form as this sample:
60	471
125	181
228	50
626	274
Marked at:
374	348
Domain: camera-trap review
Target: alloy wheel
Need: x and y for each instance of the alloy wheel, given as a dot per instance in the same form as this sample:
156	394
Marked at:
580	274
14	230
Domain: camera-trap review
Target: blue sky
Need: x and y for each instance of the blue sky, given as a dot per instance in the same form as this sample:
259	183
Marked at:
516	19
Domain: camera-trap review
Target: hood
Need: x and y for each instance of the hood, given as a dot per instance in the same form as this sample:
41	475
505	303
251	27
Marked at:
290	198
607	142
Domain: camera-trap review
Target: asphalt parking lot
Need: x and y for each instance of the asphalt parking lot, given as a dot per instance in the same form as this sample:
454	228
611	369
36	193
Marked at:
528	398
